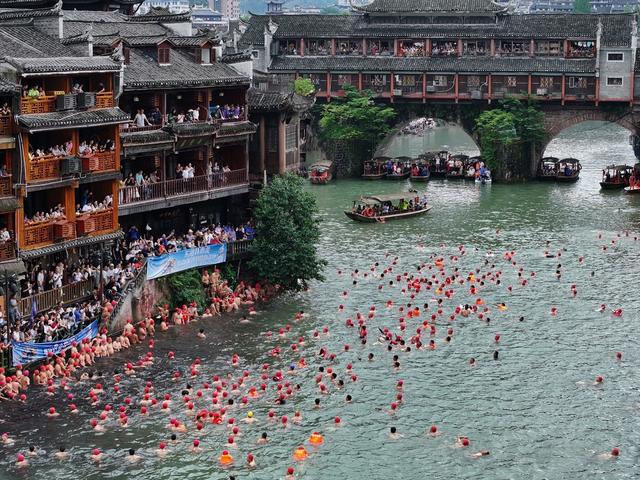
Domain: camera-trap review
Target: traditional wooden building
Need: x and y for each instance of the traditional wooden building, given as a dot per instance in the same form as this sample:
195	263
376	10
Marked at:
460	50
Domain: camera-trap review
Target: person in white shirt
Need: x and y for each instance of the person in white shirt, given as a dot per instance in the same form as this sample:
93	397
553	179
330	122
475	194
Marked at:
140	120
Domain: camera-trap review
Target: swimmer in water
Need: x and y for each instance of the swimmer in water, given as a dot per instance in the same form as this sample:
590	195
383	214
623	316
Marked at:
161	451
244	319
62	453
201	334
132	457
481	453
393	434
263	440
462	442
32	451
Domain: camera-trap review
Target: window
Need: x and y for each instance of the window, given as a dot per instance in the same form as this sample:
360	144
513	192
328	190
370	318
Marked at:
439	80
511	82
614	81
615	57
205	55
291	136
126	53
473	81
546	82
577	82
163	55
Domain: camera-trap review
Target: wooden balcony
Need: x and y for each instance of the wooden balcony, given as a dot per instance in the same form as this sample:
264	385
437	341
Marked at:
104	100
95	222
6	125
49	299
7	250
182	187
45	233
5	186
43	168
99	162
44	104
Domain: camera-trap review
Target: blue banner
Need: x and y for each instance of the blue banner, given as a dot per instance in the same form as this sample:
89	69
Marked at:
186	259
27	352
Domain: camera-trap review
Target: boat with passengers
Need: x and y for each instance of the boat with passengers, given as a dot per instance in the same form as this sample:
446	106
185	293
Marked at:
437	162
400	168
456	166
375	169
320	173
548	169
615	177
568	170
420	171
380	208
473	165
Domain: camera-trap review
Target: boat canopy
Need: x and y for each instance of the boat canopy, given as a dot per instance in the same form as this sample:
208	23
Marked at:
570	160
549	159
324	165
374	199
619	168
381	158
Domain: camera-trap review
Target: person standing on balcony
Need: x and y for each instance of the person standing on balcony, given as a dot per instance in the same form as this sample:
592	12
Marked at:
141	120
156	116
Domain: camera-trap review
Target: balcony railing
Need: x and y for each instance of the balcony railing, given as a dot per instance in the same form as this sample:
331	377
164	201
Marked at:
7	250
99	162
104	100
181	186
44	168
95	222
5	186
129	128
43	104
48	232
49	299
6	125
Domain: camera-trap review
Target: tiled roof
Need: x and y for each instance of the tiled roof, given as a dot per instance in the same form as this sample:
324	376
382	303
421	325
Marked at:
57	120
616	29
18	13
144	72
431	6
236	57
434	64
193	41
77	242
122	29
7	86
63	64
264	101
92	16
27	41
161	14
236	128
197	129
145	136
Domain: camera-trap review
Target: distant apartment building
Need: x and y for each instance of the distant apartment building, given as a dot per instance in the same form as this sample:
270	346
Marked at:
551	6
174	6
230	9
614	6
202	18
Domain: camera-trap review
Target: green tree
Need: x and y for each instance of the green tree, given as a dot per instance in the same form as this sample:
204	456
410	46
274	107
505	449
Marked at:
581	6
186	287
284	251
355	118
303	87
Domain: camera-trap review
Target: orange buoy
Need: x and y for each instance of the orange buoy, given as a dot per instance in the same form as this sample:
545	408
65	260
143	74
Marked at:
300	453
225	458
316	439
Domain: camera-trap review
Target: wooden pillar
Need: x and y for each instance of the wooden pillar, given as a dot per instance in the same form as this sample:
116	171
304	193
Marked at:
25	153
75	138
359	80
70	202
116	146
333	47
282	154
262	144
631	87
302	47
114	196
563	87
424	88
492	47
455	84
395	47
532	48
597	91
529	85
364	47
391	84
328	84
459	47
489	87
19	230
428	47
566	48
164	107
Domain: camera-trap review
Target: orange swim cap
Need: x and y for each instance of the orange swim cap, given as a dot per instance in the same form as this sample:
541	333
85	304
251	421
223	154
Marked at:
316	439
225	458
300	453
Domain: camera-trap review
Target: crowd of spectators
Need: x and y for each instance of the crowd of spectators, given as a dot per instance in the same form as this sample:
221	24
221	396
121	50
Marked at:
54	151
444	49
87	206
54	213
87	148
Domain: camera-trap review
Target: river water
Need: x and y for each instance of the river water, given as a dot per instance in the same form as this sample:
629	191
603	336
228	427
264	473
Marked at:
536	409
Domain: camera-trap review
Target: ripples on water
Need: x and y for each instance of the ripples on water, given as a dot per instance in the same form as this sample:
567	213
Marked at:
535	409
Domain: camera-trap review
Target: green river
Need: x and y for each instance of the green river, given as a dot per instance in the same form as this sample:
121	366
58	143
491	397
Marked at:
535	409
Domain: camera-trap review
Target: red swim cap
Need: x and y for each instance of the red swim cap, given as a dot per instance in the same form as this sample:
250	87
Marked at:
615	452
433	429
290	471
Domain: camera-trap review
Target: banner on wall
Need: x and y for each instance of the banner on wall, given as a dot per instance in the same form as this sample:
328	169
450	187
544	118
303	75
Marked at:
185	259
27	352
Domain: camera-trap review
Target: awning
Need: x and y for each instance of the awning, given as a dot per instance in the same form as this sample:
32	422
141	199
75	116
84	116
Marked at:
72	119
13	266
77	242
9	204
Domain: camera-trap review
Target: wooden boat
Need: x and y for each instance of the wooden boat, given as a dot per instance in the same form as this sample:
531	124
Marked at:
363	208
615	177
437	162
632	190
470	171
457	172
548	168
405	164
484	180
568	170
375	169
320	173
634	181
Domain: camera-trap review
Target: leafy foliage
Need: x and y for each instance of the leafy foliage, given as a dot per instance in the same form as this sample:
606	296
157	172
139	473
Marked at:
303	87
284	252
186	287
514	121
355	118
229	273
